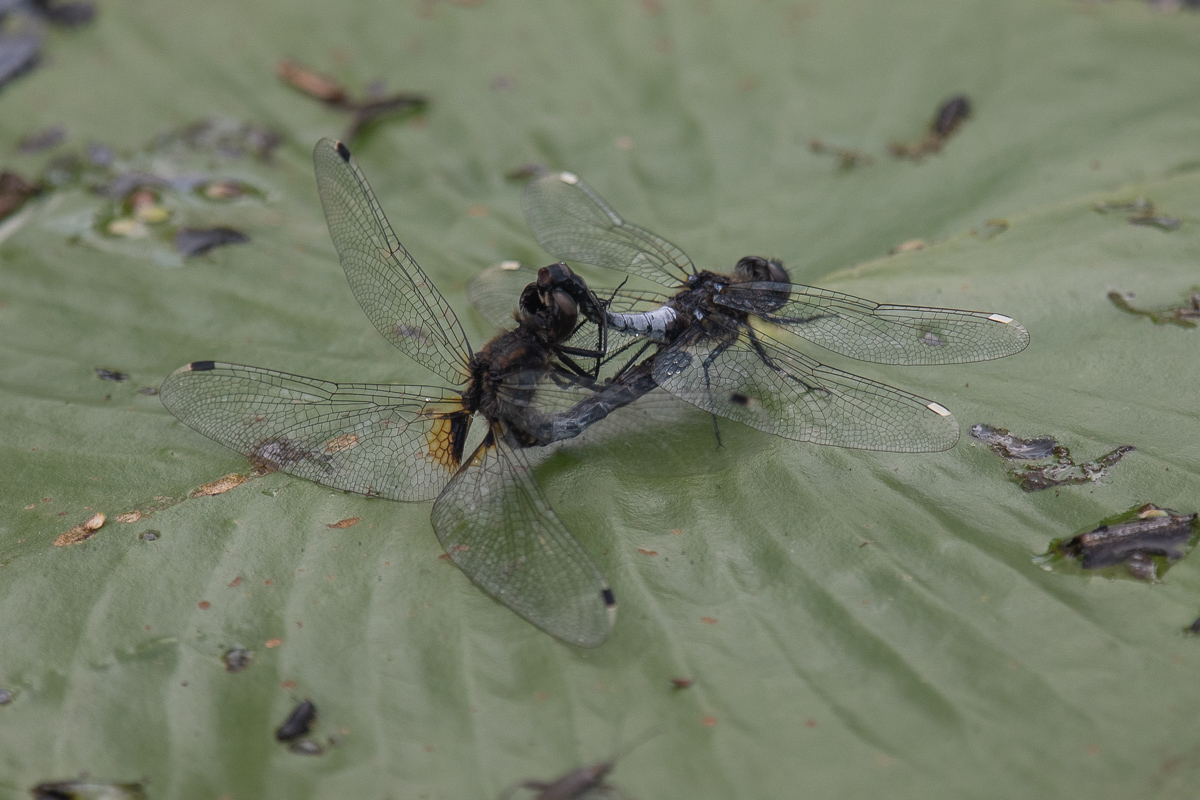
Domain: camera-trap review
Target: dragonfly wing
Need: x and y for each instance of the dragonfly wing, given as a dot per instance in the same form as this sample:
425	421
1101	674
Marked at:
791	395
574	223
497	526
396	442
883	334
496	291
393	291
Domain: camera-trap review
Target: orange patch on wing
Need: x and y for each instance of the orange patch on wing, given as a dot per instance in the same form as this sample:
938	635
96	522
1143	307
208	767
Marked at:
441	443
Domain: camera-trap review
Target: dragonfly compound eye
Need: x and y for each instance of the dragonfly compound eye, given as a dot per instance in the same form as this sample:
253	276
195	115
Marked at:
555	275
754	269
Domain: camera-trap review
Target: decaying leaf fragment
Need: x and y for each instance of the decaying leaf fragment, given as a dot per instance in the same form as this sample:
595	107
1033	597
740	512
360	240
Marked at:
1145	540
221	485
82	531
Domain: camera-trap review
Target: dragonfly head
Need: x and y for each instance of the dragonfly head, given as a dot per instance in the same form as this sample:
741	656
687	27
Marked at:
559	278
755	269
551	310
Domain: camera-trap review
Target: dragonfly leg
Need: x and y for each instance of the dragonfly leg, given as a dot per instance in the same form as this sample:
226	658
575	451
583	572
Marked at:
766	359
625	367
708	362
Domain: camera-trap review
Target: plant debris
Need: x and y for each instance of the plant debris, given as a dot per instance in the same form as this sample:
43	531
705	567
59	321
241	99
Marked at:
87	790
364	112
1143	213
223	136
19	53
64	14
949	117
221	485
82	531
198	241
349	522
298	722
111	375
1145	539
681	683
149	535
1005	445
6	697
237	659
1185	316
847	158
42	140
14	191
582	781
1062	471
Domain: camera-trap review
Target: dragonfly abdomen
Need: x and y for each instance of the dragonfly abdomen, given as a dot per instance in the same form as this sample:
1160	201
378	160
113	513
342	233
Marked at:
654	325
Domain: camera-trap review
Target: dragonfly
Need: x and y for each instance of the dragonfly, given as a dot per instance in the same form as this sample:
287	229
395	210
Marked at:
717	337
410	443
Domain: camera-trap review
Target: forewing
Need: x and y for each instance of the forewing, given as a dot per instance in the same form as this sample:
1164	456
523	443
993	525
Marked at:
393	291
497	526
496	291
791	395
378	440
573	223
883	334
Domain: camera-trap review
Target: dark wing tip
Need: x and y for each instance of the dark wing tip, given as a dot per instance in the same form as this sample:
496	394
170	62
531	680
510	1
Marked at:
610	600
201	366
342	151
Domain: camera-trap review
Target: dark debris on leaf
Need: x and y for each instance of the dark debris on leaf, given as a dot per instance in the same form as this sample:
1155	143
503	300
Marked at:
1145	539
1143	213
226	137
237	659
1005	445
65	14
19	53
100	154
298	722
525	172
6	697
111	375
198	241
947	120
329	91
1062	469
42	140
14	192
87	790
1185	316
149	535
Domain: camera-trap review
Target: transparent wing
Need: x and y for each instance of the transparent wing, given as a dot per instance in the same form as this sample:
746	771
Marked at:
573	223
883	334
384	441
497	526
784	392
496	291
393	291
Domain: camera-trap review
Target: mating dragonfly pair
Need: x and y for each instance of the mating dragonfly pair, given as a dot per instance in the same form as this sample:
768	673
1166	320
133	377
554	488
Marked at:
707	341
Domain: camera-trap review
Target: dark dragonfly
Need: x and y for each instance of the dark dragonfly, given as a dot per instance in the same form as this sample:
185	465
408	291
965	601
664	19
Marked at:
410	442
715	352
